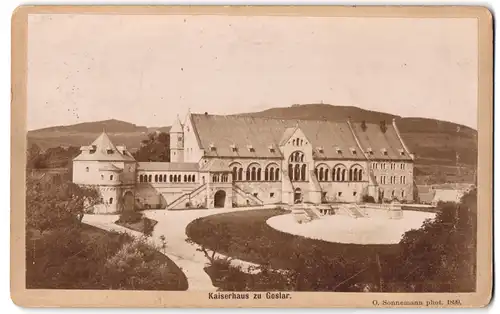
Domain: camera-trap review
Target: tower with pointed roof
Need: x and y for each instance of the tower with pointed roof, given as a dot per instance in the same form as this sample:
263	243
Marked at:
109	168
177	141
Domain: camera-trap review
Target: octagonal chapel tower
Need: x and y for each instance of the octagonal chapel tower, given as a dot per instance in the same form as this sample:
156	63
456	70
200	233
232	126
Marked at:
109	168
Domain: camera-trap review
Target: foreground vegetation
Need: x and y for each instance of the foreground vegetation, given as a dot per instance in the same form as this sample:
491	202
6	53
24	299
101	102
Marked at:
438	257
63	253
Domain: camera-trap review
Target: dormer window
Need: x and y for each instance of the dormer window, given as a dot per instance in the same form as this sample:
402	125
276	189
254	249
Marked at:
92	149
321	149
234	148
401	152
212	147
271	148
250	148
369	150
353	151
339	151
384	151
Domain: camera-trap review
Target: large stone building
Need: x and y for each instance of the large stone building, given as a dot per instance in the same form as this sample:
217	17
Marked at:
226	161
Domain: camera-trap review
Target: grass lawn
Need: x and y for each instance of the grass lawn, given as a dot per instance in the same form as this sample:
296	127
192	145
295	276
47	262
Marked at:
76	258
249	238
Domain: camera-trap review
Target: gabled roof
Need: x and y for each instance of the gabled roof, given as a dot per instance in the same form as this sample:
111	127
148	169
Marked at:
102	149
336	139
380	142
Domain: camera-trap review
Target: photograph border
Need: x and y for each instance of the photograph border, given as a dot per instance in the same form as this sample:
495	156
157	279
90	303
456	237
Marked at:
108	298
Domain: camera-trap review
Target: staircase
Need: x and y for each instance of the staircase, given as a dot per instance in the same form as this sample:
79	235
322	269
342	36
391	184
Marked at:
254	200
311	213
354	211
187	196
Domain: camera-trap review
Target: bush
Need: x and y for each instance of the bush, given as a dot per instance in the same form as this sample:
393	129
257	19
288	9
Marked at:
188	205
130	217
368	199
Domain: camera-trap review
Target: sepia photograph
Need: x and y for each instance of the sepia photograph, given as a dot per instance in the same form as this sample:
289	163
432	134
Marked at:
253	156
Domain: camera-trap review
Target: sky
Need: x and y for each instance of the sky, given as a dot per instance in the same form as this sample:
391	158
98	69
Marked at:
146	69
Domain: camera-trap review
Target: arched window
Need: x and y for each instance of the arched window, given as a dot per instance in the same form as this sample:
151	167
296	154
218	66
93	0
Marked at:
111	177
178	178
235	173
110	200
266	175
303	172
161	178
356	171
247	175
175	178
320	174
171	179
290	171
333	175
149	178
185	178
271	173
296	173
277	174
339	173
293	142
140	178
254	172
351	178
193	178
240	174
156	178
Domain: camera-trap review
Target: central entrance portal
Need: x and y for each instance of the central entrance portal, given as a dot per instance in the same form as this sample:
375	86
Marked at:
297	196
219	199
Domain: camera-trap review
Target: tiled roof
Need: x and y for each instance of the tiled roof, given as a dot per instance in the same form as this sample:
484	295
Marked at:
102	149
215	165
167	166
380	142
335	138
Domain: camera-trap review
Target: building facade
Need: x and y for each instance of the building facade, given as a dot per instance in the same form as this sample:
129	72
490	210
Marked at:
228	161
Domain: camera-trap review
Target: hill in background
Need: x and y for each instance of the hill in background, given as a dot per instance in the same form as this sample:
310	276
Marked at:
443	149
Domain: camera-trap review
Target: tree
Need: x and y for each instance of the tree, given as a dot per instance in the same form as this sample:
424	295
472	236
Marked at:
49	205
155	148
441	255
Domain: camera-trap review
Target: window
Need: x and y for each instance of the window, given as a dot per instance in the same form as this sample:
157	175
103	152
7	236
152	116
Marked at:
160	178
340	194
102	177
156	178
322	172
87	169
150	177
354	193
271	194
185	178
164	178
171	179
403	194
110	200
254	172
111	177
256	194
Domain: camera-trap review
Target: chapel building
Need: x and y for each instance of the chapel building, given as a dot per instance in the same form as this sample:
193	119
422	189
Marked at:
233	161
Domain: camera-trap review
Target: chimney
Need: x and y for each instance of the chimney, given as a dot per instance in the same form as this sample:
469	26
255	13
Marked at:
383	126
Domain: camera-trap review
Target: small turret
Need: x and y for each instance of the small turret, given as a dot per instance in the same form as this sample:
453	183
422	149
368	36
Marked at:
177	141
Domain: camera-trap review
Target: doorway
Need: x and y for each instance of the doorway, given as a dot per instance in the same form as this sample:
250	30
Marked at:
219	199
128	201
297	196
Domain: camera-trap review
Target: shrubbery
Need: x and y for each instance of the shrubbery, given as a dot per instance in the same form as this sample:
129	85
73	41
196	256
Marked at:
368	199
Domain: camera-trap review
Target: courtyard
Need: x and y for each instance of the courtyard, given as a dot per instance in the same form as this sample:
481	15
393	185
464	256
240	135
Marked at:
376	228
